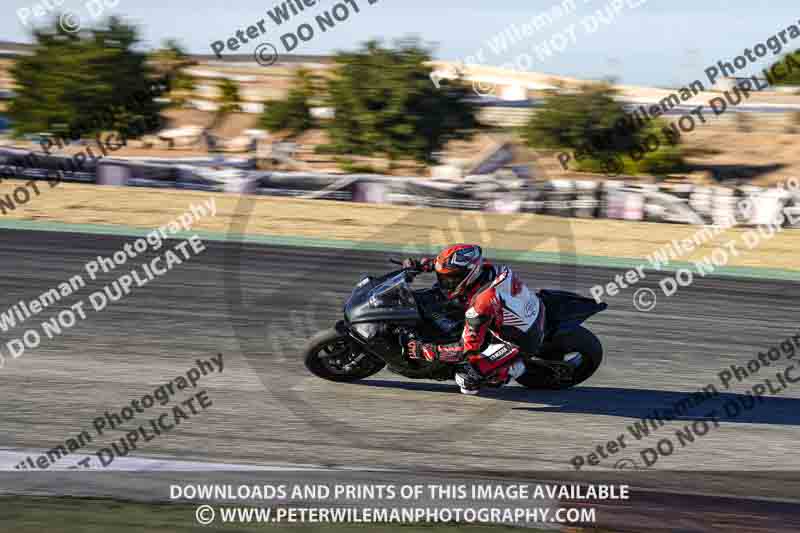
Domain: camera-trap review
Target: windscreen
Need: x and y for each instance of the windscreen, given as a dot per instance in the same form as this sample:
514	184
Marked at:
394	292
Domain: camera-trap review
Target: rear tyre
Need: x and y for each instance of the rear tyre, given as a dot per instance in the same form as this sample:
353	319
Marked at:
330	355
561	349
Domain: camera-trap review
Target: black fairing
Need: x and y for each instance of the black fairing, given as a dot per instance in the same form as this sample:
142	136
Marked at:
396	308
380	306
566	310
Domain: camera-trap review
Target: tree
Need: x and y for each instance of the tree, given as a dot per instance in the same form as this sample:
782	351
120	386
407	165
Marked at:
183	86
172	58
790	67
172	55
84	83
385	104
229	97
293	114
592	123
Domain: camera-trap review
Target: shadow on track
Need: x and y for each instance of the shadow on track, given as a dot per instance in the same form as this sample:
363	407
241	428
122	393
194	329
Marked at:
627	403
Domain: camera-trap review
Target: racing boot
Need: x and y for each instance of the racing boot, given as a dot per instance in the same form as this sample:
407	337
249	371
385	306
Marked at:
468	379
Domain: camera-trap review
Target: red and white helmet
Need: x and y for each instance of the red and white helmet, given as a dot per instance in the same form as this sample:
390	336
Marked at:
458	268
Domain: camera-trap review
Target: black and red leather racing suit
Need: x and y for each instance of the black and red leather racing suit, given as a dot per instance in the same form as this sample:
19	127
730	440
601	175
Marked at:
499	306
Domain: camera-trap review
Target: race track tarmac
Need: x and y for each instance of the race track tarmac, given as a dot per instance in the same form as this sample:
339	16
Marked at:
257	304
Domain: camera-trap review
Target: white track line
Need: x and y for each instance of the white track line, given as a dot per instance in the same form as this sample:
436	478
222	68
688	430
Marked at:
10	458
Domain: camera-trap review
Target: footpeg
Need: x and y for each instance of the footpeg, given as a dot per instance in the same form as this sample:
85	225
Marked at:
563	373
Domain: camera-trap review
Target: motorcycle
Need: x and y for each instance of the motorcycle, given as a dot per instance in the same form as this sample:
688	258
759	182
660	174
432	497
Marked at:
380	309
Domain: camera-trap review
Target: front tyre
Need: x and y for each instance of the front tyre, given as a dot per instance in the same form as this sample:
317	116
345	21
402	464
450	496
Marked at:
563	349
331	355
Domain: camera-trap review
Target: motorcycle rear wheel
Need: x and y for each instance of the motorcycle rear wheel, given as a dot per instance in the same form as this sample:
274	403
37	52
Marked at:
328	353
580	340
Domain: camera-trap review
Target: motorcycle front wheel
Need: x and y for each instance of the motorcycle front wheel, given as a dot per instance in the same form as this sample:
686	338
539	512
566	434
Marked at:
332	356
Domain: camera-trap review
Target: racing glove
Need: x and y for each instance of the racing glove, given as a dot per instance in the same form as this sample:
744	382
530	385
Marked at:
416	349
413	348
423	265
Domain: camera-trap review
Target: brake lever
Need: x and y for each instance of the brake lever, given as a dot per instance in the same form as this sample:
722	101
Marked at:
410	273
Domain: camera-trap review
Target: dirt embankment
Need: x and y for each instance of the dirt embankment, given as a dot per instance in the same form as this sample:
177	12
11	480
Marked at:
149	208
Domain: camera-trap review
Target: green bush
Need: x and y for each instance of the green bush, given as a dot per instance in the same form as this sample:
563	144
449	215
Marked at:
229	97
386	105
352	167
594	129
578	120
76	84
294	113
667	160
789	68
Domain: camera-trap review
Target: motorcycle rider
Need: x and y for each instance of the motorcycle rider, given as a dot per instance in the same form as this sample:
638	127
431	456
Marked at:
502	317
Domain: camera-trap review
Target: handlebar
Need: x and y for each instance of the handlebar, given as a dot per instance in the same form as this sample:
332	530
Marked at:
410	272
